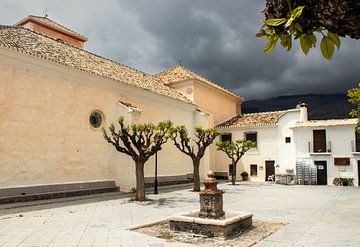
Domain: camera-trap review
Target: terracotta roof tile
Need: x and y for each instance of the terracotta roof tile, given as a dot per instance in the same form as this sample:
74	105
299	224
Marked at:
27	41
328	122
47	22
253	119
180	73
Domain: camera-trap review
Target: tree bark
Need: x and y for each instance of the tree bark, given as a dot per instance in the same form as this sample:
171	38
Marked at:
233	175
140	182
196	174
338	16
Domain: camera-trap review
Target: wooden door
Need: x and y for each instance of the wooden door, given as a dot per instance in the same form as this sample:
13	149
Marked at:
321	172
319	138
269	169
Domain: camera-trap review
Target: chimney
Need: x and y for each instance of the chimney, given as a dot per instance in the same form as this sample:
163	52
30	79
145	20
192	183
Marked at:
303	112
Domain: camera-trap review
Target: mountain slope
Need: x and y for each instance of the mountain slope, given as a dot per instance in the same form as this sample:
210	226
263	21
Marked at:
320	106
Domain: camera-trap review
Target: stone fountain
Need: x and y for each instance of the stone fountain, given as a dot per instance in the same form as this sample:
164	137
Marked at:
211	220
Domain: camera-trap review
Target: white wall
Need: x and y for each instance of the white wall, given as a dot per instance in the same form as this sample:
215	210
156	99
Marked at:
340	138
267	139
271	146
287	153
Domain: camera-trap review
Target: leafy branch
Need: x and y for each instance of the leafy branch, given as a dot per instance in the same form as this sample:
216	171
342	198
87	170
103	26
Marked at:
289	28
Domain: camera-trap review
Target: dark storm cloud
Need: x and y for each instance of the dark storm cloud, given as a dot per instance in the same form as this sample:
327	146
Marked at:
214	38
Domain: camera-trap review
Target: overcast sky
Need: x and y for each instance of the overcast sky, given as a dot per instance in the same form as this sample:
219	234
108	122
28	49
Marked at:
215	38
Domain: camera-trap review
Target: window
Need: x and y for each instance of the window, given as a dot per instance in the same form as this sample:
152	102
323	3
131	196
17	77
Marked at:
96	119
251	137
319	138
357	142
253	170
226	137
287	139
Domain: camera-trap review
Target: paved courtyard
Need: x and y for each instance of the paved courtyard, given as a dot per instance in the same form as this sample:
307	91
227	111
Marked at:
317	216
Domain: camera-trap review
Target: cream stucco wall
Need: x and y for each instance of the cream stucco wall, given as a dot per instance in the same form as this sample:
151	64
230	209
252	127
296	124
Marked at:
220	104
45	133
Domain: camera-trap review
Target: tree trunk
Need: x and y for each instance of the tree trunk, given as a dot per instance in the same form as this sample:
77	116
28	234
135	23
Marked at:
233	175
140	182
196	174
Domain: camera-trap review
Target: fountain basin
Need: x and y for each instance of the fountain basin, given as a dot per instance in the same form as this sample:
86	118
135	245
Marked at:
231	224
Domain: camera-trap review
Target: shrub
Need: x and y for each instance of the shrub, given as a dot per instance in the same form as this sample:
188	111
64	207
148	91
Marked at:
244	174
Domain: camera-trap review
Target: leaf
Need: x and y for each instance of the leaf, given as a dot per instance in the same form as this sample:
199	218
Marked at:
289	22
290	43
334	38
304	44
295	13
261	33
312	38
286	42
298	27
327	47
271	44
275	22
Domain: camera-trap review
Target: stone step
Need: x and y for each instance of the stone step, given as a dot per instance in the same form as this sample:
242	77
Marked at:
166	183
52	191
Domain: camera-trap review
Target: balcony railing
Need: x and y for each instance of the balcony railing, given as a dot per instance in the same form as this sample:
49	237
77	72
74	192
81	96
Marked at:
355	147
319	147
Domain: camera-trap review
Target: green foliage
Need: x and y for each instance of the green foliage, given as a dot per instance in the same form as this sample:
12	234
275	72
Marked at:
285	29
203	139
235	150
244	174
343	182
140	141
354	98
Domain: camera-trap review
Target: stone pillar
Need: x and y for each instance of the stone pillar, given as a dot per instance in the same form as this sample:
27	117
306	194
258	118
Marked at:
211	199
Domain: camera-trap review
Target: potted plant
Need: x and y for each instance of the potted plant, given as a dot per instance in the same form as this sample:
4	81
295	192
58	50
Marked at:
244	175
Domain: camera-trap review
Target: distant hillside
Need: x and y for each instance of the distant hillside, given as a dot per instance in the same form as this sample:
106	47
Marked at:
320	106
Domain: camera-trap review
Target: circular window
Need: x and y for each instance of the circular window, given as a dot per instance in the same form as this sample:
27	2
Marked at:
96	119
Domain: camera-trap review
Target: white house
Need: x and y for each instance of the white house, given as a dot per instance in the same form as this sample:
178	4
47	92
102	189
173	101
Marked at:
275	147
317	151
331	147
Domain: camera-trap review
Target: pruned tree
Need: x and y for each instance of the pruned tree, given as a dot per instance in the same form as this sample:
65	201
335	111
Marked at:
300	19
354	98
235	151
194	148
140	142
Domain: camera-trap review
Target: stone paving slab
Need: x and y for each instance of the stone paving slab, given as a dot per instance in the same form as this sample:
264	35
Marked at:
316	216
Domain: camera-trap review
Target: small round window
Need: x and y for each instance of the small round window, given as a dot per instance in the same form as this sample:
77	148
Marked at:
96	119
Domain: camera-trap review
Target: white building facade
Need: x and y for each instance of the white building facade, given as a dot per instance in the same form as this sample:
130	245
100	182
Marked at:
331	147
275	148
287	141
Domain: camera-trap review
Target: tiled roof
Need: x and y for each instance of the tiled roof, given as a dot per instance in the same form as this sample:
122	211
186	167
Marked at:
26	41
324	123
180	73
253	119
47	22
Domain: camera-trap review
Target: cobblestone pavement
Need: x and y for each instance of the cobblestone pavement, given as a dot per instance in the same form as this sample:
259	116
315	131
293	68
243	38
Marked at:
317	216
